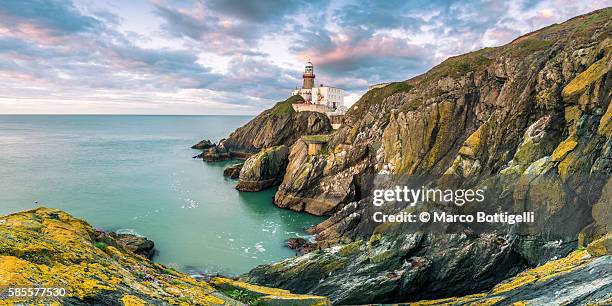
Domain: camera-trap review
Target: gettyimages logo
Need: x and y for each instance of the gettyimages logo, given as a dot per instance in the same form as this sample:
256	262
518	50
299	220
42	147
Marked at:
408	200
413	196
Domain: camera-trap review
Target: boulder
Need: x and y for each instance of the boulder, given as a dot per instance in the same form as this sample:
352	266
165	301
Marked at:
318	184
264	169
300	245
137	244
601	246
203	145
214	153
232	171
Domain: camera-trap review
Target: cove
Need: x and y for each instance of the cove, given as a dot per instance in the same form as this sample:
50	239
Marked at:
135	174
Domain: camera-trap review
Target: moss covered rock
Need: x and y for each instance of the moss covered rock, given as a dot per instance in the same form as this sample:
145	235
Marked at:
46	247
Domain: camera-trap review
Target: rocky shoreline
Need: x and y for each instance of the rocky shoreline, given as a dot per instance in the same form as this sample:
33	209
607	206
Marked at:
47	247
530	122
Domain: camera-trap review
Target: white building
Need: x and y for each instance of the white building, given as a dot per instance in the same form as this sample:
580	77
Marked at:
330	97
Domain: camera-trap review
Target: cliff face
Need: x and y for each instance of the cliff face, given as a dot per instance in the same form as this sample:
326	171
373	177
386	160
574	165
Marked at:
264	169
49	248
280	125
529	121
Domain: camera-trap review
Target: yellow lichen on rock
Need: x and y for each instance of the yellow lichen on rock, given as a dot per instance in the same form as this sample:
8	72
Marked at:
586	78
130	300
543	272
601	246
605	124
527	279
563	149
49	248
473	144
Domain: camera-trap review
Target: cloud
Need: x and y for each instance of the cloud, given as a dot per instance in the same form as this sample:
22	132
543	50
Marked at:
234	56
45	21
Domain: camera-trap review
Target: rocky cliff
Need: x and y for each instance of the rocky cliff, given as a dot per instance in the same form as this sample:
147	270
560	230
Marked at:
264	169
49	248
279	125
530	122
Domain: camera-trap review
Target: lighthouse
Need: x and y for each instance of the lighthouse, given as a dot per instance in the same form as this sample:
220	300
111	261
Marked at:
323	99
308	76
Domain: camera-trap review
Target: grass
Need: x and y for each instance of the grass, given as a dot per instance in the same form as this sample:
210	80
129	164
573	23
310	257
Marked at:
527	46
242	296
101	245
139	274
185	299
285	108
460	65
376	96
316	138
324	149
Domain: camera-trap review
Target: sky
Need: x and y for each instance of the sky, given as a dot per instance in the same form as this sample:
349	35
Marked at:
236	57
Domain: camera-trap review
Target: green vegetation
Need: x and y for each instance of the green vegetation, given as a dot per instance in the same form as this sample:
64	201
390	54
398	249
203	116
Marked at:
316	138
101	245
349	249
463	65
527	46
324	149
285	108
242	296
382	257
140	275
185	299
591	21
460	65
376	96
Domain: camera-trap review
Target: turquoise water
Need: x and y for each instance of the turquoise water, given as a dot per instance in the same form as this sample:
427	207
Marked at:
136	174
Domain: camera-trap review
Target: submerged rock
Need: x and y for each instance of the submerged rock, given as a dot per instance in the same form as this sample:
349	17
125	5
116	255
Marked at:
232	171
264	169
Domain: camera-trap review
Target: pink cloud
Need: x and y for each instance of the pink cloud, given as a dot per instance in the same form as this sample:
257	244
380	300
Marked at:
377	45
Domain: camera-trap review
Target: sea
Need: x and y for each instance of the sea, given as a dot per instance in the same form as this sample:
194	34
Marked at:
136	174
